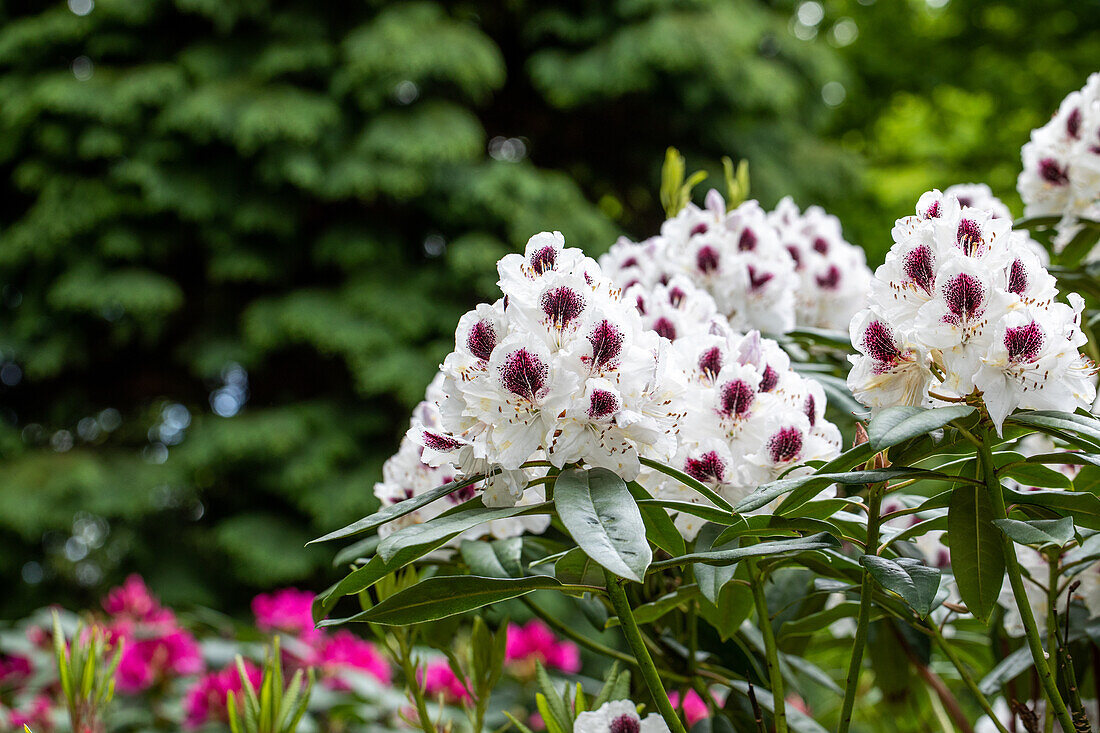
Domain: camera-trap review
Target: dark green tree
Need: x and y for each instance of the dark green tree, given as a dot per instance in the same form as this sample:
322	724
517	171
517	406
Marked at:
235	239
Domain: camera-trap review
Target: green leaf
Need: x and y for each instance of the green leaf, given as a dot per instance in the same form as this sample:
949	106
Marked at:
554	700
577	567
897	424
1084	506
1080	245
496	559
447	527
396	511
647	613
1061	422
1035	474
820	541
976	553
711	579
660	529
602	517
447	595
820	481
703	511
908	578
1007	670
1038	532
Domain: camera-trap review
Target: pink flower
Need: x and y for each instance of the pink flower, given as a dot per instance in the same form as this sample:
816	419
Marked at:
36	715
534	640
132	599
695	708
147	661
15	670
289	610
207	698
438	677
345	650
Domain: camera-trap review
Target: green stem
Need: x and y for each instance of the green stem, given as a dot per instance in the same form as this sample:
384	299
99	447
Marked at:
771	651
633	636
866	591
1052	626
412	682
968	680
1019	592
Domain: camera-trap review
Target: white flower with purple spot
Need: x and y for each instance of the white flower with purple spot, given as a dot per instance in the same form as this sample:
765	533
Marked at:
618	716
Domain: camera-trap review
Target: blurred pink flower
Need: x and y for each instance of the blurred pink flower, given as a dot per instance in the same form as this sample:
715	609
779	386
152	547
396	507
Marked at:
695	708
438	678
132	599
206	700
344	650
288	610
147	661
15	670
534	640
36	715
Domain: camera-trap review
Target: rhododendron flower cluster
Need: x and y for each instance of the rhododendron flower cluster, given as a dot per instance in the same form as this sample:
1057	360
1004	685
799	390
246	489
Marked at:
1061	173
618	716
406	474
963	306
439	680
833	274
751	419
155	647
559	369
768	272
735	256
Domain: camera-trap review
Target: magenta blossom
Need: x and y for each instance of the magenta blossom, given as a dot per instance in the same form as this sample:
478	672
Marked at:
15	670
35	715
695	708
133	600
438	678
345	650
288	610
146	661
207	698
535	641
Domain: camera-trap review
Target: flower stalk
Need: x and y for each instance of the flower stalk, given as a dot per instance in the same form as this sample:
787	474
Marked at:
633	636
771	650
866	591
1019	592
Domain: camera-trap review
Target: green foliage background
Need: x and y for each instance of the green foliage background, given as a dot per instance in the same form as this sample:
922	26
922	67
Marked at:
316	191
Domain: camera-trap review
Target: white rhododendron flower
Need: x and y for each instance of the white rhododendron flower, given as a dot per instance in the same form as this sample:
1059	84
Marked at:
618	716
1061	173
833	274
406	474
749	418
561	368
963	306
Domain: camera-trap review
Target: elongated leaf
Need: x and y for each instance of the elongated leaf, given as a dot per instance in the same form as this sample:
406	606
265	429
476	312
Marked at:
602	517
1007	670
364	577
647	613
447	527
659	527
710	578
855	456
1079	246
703	511
688	481
1035	474
396	511
976	553
1084	506
1068	422
362	549
914	582
820	541
496	559
1065	458
896	424
1037	532
820	481
577	567
447	595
